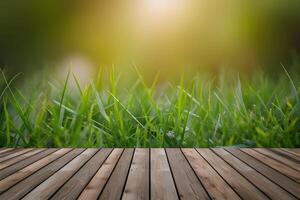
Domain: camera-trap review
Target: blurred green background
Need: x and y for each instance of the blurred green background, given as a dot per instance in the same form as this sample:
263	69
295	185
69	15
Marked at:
157	35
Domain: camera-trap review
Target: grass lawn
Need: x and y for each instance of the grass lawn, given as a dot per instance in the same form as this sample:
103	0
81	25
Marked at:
203	111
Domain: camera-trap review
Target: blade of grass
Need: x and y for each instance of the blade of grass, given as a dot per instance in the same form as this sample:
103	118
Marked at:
100	103
65	87
135	119
7	123
292	83
77	83
9	83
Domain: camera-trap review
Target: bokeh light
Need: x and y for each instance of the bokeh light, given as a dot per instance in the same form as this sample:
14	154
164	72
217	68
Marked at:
157	35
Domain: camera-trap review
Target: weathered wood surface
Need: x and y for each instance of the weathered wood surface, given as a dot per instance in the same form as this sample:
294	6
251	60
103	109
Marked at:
219	173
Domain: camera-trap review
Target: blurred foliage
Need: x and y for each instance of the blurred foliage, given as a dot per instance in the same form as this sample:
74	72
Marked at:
158	35
117	111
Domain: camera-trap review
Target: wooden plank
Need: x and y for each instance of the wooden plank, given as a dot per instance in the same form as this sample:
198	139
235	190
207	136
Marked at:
137	186
215	185
279	158
10	151
23	173
5	150
278	178
188	185
291	153
46	189
269	188
96	185
11	155
297	151
26	185
21	164
19	158
162	183
282	168
241	185
115	185
72	188
172	173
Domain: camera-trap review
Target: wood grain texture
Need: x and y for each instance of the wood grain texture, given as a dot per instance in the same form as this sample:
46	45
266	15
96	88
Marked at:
297	151
50	186
3	150
218	173
12	155
275	176
241	185
19	158
289	154
25	186
280	158
282	168
96	185
188	185
9	151
21	164
73	188
27	171
212	181
271	189
116	183
162	184
137	185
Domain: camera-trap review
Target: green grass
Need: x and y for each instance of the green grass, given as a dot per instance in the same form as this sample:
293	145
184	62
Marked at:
119	111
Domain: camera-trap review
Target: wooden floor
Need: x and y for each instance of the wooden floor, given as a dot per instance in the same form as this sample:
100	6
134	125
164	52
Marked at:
229	173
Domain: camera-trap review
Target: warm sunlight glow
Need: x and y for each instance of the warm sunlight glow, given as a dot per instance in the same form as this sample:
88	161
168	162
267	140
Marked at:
158	27
82	68
161	7
160	11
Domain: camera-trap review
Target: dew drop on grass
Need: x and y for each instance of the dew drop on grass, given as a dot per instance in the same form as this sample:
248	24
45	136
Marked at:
170	134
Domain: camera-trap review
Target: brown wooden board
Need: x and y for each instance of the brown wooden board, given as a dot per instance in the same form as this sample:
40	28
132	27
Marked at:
215	185
271	189
21	164
9	151
46	189
280	158
275	176
116	183
12	155
137	185
27	171
188	185
28	184
289	154
3	150
241	185
297	151
19	158
73	188
96	185
162	184
218	173
282	168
